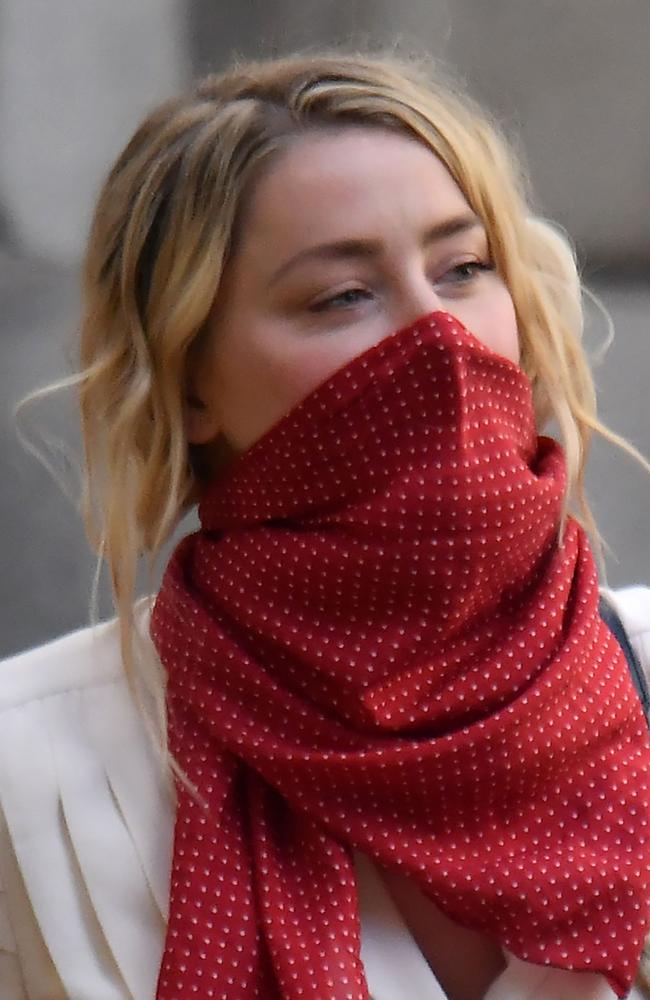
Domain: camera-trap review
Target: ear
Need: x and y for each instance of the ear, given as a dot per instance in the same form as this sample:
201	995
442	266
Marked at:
201	423
201	420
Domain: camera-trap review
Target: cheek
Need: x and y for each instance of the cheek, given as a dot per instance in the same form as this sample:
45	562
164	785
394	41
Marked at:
277	370
496	325
300	370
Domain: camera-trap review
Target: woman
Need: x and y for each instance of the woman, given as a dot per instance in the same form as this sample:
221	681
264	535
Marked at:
410	759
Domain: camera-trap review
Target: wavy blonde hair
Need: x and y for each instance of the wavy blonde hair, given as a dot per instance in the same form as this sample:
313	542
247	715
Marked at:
163	229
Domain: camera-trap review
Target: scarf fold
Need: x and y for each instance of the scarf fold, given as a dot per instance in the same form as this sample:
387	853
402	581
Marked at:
377	642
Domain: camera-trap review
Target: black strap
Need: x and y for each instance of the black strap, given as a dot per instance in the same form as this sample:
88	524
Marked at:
610	616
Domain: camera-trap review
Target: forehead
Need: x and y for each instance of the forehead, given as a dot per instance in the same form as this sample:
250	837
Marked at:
351	182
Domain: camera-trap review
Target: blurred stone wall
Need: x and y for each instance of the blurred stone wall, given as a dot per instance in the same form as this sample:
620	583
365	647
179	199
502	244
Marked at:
76	76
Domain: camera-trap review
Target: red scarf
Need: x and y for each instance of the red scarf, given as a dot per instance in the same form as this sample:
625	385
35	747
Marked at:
376	642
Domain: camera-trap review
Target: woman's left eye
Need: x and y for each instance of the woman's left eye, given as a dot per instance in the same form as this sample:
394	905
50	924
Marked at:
464	272
348	298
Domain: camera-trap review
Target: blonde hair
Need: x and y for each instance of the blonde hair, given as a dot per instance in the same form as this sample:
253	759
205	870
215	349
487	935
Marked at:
164	227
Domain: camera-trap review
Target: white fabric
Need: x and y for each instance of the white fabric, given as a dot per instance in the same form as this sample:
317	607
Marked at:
86	825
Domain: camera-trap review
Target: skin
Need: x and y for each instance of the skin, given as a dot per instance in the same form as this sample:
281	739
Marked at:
287	316
281	326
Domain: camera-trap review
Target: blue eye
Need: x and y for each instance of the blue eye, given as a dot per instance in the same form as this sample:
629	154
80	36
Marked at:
348	297
466	271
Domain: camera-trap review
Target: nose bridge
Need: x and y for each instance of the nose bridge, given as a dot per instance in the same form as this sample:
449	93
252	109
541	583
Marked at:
416	295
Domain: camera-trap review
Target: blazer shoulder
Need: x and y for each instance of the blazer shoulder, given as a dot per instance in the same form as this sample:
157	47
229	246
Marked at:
88	656
633	605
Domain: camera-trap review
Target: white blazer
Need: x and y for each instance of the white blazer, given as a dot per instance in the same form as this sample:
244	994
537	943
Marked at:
86	824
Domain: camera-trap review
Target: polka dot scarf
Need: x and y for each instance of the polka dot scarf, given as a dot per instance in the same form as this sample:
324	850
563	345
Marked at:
375	641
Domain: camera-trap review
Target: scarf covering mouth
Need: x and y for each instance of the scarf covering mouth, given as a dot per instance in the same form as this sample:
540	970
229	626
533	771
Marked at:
377	642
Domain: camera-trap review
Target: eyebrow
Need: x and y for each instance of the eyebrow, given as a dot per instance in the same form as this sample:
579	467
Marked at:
356	249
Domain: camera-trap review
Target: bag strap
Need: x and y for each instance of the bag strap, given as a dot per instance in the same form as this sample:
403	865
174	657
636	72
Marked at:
612	619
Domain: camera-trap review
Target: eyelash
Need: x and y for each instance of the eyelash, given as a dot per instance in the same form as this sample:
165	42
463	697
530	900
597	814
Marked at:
476	266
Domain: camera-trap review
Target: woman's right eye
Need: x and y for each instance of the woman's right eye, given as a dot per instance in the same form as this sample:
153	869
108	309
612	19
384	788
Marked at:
348	298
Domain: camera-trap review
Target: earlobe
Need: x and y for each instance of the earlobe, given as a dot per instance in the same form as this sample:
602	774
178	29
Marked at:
201	425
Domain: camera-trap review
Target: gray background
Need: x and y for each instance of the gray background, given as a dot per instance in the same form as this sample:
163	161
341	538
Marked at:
570	81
